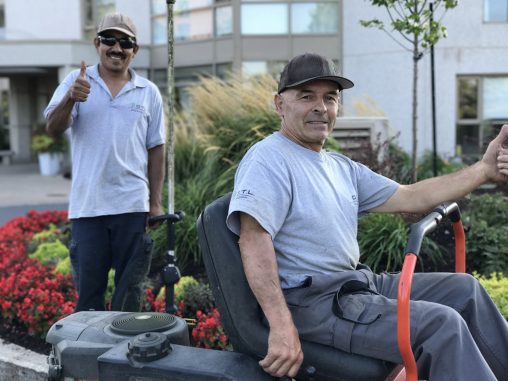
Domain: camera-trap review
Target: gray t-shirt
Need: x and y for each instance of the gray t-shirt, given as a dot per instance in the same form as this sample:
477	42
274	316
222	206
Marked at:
308	202
110	139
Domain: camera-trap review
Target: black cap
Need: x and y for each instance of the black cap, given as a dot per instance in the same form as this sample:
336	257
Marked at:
310	67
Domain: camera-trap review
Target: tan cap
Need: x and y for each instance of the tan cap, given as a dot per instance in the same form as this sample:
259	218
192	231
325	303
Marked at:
119	22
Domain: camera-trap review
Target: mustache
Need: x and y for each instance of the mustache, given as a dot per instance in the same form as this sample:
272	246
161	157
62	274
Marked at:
116	54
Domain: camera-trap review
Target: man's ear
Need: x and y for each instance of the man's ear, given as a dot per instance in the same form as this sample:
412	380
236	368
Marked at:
135	49
277	101
96	42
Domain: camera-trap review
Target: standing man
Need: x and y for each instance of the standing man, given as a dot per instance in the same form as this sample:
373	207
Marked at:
117	137
296	206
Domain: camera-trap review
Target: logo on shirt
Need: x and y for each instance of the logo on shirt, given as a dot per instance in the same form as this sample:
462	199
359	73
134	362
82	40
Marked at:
138	108
244	193
354	197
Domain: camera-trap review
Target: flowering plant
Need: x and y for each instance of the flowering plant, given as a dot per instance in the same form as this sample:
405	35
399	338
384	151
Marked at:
209	332
45	143
32	295
36	287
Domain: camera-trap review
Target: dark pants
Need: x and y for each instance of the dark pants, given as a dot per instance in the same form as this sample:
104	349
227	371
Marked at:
457	333
101	243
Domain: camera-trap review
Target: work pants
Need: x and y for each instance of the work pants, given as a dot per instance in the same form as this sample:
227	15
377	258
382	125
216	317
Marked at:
457	333
104	242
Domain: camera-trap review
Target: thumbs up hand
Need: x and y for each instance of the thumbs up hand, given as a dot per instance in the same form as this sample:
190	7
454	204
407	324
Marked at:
82	71
81	87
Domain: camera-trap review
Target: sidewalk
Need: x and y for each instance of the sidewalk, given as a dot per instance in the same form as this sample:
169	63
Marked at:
22	188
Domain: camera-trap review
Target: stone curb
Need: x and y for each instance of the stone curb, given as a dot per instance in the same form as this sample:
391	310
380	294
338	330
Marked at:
20	364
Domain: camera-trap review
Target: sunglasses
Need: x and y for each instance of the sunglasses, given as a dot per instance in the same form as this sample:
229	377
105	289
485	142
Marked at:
125	42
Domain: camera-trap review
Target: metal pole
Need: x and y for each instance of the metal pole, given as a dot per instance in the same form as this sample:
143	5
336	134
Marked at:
170	99
433	91
171	273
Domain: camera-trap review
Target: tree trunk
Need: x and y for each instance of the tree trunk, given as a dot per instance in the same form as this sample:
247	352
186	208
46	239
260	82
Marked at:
416	57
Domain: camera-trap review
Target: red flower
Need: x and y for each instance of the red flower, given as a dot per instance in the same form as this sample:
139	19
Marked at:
31	294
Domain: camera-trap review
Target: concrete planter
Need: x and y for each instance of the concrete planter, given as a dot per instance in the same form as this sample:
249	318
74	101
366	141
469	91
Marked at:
20	364
50	163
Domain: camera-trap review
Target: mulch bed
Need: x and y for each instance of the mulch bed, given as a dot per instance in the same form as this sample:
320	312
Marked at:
19	337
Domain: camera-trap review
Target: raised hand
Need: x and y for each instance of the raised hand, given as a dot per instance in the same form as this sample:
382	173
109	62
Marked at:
502	157
496	156
81	87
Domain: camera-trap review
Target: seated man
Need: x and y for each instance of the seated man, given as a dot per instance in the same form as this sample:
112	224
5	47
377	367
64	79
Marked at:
296	206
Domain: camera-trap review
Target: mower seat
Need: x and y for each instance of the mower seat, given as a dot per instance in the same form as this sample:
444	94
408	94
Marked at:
243	318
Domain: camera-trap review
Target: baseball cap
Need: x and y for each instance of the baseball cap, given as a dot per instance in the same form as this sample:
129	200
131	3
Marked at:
119	22
310	67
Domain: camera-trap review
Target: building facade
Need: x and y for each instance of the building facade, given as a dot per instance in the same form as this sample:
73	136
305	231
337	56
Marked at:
42	40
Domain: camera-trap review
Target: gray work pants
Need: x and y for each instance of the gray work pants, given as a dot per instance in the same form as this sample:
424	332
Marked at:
457	333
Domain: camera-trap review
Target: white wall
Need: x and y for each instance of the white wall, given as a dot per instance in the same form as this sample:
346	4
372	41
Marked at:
41	19
62	19
383	71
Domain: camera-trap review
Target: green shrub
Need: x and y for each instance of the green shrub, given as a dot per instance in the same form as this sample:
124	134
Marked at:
491	208
181	285
426	166
51	234
486	248
485	220
198	296
497	287
64	266
50	253
45	143
383	238
226	119
110	289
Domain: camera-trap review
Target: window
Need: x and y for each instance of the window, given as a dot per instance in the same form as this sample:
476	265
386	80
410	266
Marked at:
273	68
468	98
495	94
223	21
159	7
187	5
94	11
313	18
496	10
103	7
2	14
481	111
264	19
159	22
4	118
194	25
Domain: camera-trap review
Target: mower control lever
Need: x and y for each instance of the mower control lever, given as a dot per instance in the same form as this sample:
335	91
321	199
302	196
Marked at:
172	218
170	272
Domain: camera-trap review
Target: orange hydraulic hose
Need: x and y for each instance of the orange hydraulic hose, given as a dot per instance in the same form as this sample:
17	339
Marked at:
403	331
460	247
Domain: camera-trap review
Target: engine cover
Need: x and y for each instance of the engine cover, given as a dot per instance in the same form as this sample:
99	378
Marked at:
80	338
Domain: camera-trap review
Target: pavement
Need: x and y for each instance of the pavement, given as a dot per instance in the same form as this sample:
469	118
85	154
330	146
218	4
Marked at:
22	188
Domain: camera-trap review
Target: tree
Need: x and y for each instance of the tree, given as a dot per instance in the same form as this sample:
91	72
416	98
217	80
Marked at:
418	27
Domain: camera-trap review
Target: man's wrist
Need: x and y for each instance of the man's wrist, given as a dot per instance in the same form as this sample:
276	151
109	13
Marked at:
484	170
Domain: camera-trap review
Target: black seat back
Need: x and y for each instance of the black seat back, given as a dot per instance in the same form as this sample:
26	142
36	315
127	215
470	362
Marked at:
242	317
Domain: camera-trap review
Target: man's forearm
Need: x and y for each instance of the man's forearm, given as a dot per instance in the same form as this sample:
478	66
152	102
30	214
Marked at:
260	266
426	194
59	119
156	176
284	355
